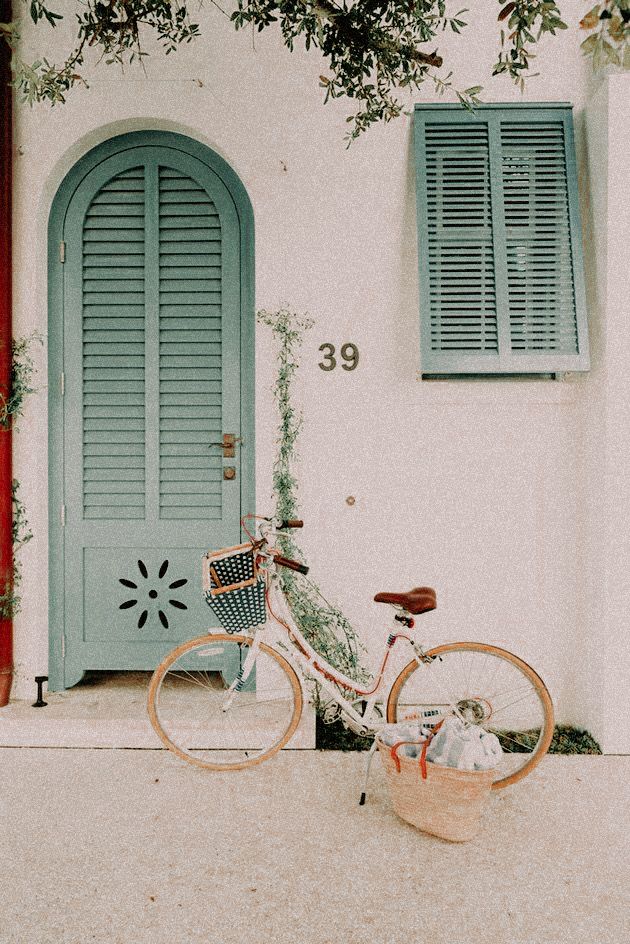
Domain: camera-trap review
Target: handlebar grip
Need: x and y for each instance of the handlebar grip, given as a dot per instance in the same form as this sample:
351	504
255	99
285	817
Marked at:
291	523
291	564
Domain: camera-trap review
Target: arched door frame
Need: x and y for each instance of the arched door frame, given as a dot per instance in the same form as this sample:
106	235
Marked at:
59	209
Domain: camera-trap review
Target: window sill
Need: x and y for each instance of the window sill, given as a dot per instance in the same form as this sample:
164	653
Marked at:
501	390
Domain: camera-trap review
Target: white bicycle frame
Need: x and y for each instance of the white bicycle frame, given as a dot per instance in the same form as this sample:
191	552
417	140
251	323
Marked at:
309	664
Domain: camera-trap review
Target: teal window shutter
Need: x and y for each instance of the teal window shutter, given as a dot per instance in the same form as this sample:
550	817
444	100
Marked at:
499	241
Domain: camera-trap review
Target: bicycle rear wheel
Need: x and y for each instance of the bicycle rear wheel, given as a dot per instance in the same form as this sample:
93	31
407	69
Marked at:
188	710
488	686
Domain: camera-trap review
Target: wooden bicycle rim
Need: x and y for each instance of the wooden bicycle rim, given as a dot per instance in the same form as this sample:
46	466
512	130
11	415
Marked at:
207	638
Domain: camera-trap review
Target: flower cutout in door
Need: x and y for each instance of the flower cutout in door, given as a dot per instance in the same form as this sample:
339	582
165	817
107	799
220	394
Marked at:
154	589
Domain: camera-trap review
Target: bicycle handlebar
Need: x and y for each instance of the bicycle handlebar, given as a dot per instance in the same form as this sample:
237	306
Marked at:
291	564
291	523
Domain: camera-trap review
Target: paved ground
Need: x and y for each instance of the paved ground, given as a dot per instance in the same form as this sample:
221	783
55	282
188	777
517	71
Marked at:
132	846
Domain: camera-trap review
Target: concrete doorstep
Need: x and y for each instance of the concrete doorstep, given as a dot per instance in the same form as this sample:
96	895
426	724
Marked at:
106	710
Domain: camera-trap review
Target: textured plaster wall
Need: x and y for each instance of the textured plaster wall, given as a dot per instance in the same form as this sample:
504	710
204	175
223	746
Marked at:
615	643
604	658
474	488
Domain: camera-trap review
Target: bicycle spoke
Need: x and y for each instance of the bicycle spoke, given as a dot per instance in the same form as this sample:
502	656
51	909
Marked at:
508	691
239	704
504	736
517	701
189	677
461	671
435	671
487	686
470	666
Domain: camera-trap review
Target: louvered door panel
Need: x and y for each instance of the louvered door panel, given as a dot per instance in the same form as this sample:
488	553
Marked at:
190	361
542	310
154	343
461	271
113	317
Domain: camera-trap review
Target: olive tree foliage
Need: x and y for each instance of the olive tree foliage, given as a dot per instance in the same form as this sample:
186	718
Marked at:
372	48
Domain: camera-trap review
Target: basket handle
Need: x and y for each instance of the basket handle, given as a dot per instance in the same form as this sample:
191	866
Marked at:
423	755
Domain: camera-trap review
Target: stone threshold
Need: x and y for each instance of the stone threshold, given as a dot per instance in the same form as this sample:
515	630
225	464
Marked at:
107	710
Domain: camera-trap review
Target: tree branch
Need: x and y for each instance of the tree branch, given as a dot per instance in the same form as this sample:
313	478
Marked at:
338	18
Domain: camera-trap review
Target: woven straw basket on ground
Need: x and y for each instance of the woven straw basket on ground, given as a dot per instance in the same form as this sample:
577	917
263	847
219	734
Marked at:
448	804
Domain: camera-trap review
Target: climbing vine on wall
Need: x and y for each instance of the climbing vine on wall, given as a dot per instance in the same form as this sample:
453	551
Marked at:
10	600
322	623
11	408
22	373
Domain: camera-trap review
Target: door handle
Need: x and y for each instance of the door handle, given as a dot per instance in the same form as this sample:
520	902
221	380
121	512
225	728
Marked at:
228	444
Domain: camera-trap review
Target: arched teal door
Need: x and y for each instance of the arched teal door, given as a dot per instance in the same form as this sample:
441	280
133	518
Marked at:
151	363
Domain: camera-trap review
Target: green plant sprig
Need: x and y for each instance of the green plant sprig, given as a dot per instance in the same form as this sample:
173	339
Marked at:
10	601
111	26
524	22
21	382
11	408
609	41
323	624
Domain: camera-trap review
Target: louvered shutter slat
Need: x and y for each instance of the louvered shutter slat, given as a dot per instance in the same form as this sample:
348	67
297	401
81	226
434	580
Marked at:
113	360
542	311
190	359
104	312
461	287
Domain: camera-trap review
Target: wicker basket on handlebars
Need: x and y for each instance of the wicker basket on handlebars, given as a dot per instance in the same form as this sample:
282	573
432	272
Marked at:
449	803
234	588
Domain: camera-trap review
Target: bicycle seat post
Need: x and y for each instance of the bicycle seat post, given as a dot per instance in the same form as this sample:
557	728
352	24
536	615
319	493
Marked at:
405	618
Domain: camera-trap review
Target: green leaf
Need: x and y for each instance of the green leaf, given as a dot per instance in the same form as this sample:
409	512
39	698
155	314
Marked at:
611	54
589	44
591	19
52	17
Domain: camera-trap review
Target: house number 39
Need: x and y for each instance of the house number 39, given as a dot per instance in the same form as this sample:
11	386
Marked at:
349	354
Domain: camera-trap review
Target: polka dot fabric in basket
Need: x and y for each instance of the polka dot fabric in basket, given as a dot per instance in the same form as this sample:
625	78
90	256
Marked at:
233	589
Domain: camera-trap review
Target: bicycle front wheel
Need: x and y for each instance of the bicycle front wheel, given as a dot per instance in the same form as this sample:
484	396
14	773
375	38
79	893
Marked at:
201	722
487	686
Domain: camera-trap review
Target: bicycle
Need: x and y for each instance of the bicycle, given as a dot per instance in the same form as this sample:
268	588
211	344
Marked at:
230	700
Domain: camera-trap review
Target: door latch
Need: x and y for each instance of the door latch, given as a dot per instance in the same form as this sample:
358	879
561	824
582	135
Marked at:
228	444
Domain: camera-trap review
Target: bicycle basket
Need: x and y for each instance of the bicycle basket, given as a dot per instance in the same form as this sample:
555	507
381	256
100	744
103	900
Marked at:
234	588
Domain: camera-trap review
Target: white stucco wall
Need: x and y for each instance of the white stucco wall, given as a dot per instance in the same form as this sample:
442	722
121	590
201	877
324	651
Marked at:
604	657
474	488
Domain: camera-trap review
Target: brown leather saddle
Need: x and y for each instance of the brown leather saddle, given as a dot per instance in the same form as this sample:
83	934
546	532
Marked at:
418	600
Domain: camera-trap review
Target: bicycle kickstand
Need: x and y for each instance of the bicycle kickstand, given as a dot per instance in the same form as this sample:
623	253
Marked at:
367	772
